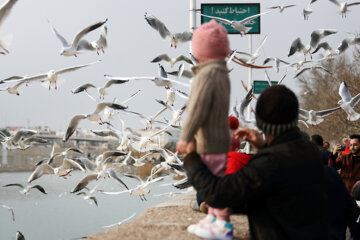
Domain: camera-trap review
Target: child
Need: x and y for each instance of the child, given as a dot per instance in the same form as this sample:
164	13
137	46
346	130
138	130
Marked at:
207	118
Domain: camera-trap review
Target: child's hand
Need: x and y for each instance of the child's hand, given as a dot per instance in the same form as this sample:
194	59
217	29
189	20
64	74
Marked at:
191	147
181	147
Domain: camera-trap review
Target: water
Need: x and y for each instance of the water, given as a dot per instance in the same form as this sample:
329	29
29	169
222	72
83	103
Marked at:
61	215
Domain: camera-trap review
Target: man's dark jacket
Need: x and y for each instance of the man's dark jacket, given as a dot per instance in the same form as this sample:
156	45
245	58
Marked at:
281	189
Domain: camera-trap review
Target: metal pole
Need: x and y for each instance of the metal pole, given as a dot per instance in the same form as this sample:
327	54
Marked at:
192	18
247	148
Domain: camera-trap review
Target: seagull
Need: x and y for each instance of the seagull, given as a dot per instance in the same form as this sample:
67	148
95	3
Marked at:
14	89
161	80
26	143
26	189
344	6
96	176
12	141
172	61
282	7
120	222
97	45
329	52
307	11
62	171
141	190
94	116
311	68
19	236
276	60
72	49
297	46
102	90
346	42
4	12
316	117
149	120
237	25
176	113
11	210
88	197
256	54
347	103
54	155
317	35
164	31
243	105
51	77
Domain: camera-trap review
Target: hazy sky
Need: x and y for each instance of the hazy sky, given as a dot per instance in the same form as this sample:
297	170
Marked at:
132	44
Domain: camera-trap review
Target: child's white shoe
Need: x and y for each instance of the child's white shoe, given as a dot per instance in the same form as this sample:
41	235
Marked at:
209	219
219	229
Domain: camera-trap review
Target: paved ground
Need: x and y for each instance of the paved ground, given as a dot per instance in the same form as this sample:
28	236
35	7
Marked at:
168	220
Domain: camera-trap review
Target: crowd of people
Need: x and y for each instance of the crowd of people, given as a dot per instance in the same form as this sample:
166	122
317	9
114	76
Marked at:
290	188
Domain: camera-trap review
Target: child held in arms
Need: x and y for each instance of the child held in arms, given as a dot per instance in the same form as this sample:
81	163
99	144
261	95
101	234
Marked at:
206	127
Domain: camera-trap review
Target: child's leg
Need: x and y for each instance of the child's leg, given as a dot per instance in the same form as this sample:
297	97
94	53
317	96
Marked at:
222	213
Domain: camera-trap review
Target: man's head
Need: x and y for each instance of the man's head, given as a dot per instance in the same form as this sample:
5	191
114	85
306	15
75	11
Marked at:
318	140
326	145
210	41
277	110
355	144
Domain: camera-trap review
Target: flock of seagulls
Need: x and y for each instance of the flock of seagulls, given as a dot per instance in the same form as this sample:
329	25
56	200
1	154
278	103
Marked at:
178	84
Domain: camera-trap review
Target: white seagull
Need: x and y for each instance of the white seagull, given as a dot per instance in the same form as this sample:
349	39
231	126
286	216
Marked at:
298	46
343	6
281	7
97	45
316	117
72	49
4	12
49	79
94	116
164	31
26	189
347	103
311	68
307	11
319	34
172	61
238	25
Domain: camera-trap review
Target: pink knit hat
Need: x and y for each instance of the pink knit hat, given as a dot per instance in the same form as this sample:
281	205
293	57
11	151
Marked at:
210	41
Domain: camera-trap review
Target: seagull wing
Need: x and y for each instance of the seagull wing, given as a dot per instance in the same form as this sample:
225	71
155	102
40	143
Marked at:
184	36
185	59
105	133
157	25
344	92
336	2
131	97
70	164
5	9
39	171
262	43
40	188
101	106
113	175
303	113
14	184
355	100
84	182
85	45
111	82
323	45
23	133
324	113
82	88
85	31
245	102
295	46
222	20
248	19
72	126
73	68
35	140
161	57
61	38
302	71
353	4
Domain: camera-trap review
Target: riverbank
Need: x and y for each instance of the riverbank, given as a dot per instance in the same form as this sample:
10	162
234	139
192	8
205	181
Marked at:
168	220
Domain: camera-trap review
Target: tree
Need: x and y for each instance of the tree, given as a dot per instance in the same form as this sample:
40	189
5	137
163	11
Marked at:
320	91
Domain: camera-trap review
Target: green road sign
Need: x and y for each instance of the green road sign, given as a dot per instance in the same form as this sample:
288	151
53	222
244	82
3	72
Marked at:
260	86
233	11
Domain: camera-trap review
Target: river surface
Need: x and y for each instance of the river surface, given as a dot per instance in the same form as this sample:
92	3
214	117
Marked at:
62	215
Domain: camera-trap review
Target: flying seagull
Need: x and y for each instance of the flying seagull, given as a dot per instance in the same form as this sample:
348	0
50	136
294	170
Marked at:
316	117
343	6
97	45
347	103
172	61
281	7
237	25
317	35
26	189
164	31
72	49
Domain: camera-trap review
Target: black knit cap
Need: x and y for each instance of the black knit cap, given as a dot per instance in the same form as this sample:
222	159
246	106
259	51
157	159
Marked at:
277	110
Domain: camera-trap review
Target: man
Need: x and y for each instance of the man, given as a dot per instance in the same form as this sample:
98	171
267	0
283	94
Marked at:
348	163
281	189
319	142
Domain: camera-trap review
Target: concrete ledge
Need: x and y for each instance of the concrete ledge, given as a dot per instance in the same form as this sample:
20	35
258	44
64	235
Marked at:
168	220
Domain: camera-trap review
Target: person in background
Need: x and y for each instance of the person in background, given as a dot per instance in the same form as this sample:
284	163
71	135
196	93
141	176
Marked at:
206	127
348	163
319	142
281	189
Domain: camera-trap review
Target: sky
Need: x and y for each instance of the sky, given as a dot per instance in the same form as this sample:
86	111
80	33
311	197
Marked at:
132	45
